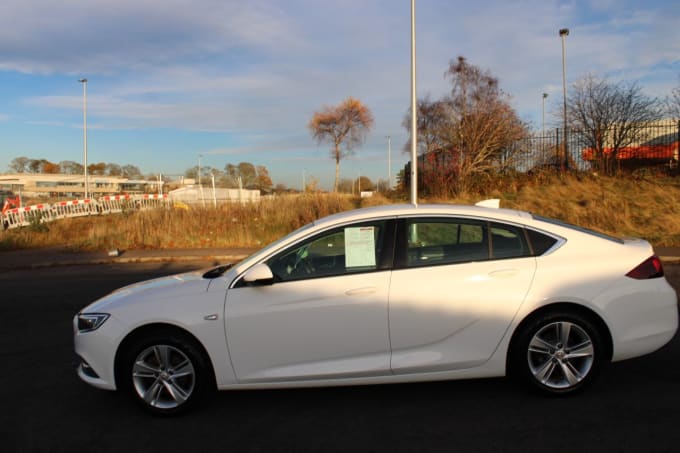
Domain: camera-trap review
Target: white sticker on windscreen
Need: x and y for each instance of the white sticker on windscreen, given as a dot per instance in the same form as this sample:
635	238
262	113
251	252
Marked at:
360	246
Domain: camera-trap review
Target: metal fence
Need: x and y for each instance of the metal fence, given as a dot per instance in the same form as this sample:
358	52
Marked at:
654	145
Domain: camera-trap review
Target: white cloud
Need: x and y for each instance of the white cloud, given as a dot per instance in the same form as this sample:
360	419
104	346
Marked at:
107	36
259	69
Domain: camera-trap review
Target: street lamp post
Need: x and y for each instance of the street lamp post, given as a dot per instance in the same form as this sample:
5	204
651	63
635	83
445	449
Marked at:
564	32
414	112
199	169
389	163
545	95
87	183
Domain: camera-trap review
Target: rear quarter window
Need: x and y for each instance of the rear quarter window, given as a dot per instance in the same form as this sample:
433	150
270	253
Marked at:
540	243
579	229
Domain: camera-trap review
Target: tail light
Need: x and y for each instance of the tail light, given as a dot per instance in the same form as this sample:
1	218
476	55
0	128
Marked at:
649	268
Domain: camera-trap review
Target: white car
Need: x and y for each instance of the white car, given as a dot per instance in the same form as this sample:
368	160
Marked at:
388	294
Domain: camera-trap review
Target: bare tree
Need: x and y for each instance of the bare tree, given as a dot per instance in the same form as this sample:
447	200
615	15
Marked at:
673	104
484	123
344	126
433	122
131	171
608	116
112	169
19	164
468	133
69	167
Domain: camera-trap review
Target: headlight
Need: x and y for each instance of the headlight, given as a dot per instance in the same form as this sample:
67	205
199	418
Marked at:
87	322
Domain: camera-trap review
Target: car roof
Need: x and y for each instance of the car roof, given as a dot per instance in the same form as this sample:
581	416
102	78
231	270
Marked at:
408	210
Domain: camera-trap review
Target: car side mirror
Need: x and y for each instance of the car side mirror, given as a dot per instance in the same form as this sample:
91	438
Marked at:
260	274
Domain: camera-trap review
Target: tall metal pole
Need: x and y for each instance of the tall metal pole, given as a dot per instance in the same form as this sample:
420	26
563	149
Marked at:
545	95
564	32
414	113
87	183
199	169
389	163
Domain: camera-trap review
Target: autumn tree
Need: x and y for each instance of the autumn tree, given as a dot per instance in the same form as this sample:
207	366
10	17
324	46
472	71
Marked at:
363	184
97	169
607	115
50	168
344	126
263	181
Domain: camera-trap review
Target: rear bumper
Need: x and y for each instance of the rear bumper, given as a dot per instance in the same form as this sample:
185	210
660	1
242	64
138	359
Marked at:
644	316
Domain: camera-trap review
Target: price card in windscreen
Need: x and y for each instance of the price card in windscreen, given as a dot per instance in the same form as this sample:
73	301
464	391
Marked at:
360	246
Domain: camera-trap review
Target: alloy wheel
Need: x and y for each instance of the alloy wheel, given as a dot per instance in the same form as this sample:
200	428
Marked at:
164	377
560	355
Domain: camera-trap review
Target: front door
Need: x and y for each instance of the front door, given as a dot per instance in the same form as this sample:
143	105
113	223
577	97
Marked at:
324	317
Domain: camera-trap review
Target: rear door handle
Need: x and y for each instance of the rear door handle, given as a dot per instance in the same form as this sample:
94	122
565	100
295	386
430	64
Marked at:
503	273
361	291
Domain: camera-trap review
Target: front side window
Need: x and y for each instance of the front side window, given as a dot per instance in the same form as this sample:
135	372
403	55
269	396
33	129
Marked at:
349	249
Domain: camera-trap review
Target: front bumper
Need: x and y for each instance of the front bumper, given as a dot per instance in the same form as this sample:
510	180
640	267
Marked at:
96	351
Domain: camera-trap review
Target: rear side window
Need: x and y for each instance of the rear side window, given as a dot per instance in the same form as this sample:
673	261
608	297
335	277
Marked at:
508	241
431	242
540	243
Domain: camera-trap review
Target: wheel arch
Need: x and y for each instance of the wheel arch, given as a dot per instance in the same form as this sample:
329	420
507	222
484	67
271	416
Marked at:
158	329
582	310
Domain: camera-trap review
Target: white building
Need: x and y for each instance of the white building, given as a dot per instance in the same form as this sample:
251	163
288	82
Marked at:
59	185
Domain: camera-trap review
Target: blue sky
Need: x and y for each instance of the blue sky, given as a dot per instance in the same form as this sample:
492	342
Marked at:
239	80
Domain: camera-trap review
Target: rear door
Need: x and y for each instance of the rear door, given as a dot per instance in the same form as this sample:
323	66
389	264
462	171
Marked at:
457	285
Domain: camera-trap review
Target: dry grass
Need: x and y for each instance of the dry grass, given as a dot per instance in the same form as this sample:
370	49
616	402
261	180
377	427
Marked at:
230	225
648	208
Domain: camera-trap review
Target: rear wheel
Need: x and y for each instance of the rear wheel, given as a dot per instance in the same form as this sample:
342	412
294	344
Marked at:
165	374
559	353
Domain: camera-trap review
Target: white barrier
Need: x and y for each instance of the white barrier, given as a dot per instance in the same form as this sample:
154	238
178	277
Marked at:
114	203
19	217
150	201
74	208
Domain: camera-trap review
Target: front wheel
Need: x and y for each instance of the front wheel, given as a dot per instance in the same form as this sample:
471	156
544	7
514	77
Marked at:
559	353
165	375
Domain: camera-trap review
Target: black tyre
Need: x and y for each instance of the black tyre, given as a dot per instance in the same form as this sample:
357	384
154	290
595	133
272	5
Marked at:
165	373
558	353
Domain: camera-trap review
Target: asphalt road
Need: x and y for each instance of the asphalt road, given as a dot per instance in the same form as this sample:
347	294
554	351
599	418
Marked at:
635	406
